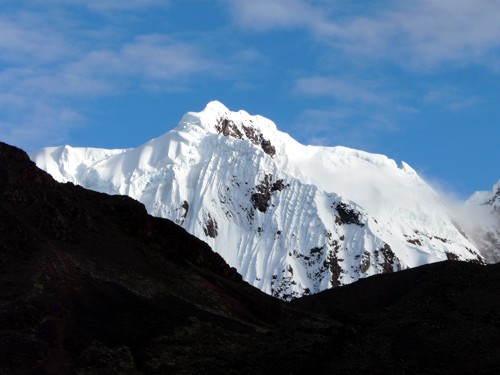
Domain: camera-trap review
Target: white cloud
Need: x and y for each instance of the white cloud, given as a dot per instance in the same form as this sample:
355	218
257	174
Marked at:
450	99
343	126
356	114
413	33
110	5
32	82
156	57
147	59
48	64
24	39
272	14
361	96
57	64
428	33
342	89
41	122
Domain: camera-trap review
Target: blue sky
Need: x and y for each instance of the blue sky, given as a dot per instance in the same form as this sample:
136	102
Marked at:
417	80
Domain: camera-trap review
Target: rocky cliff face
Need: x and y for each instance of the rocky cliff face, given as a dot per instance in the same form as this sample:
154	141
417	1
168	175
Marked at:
292	219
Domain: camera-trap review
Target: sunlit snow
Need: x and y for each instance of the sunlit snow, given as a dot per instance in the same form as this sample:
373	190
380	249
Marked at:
337	215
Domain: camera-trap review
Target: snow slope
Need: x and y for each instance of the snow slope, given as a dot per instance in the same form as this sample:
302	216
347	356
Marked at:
292	219
485	228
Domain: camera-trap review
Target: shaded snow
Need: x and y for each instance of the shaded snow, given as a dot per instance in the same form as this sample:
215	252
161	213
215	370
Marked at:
481	218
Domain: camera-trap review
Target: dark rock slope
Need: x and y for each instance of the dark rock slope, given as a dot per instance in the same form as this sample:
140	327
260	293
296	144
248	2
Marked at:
440	318
89	283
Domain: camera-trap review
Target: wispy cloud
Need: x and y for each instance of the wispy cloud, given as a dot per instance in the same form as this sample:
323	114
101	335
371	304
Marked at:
32	50
379	46
356	112
415	33
451	99
423	34
41	122
266	15
157	57
342	89
68	52
110	5
50	62
25	40
147	59
342	125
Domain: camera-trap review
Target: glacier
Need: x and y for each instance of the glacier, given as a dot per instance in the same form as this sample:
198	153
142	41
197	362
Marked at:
292	219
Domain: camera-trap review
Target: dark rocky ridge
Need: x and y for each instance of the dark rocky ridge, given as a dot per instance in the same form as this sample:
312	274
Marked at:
263	192
227	128
347	215
89	283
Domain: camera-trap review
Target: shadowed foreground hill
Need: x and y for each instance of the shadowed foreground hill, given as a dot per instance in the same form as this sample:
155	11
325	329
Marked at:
89	283
439	318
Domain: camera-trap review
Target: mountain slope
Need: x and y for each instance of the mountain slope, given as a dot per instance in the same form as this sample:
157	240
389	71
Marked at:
485	230
437	318
91	284
292	219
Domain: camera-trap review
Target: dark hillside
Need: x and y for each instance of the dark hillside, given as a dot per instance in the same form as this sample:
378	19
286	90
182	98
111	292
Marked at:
442	317
91	284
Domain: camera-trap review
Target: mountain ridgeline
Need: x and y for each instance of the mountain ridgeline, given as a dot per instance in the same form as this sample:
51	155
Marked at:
292	219
92	284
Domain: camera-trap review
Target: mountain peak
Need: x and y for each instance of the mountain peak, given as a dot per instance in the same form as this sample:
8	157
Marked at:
215	106
216	118
215	112
293	219
91	284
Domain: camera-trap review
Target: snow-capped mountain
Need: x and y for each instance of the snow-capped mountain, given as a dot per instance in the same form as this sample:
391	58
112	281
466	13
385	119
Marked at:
485	229
292	219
